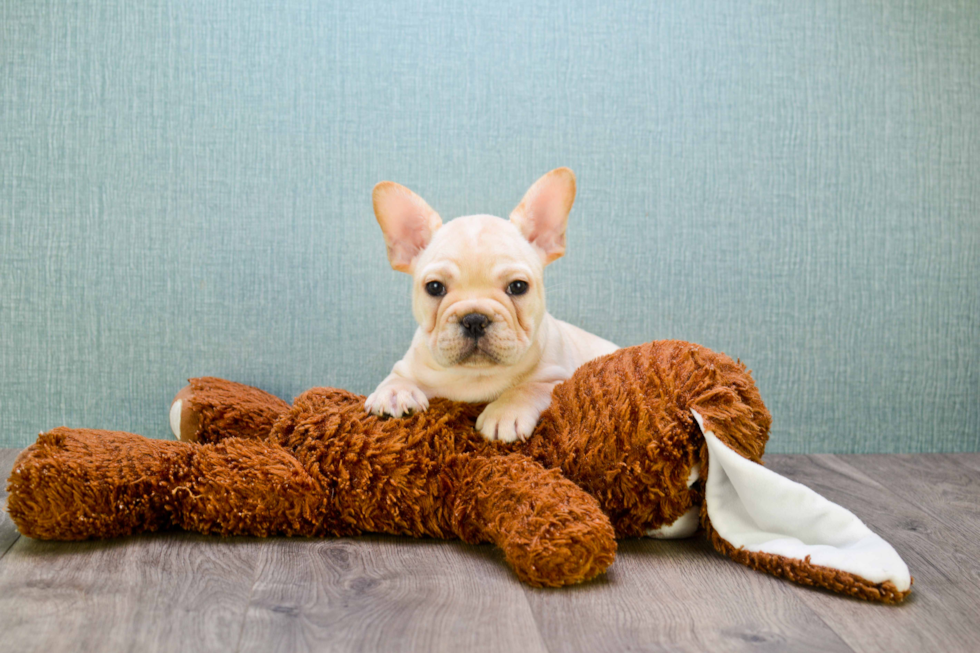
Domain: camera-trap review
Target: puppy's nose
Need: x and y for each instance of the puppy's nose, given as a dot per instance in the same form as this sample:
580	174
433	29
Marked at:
474	324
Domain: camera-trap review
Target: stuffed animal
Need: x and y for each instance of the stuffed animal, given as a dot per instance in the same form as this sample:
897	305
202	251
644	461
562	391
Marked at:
653	440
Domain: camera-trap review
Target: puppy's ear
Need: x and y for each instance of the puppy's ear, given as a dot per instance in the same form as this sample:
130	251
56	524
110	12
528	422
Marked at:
407	221
543	213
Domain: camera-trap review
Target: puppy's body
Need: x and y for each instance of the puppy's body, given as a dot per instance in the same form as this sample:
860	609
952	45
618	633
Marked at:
478	296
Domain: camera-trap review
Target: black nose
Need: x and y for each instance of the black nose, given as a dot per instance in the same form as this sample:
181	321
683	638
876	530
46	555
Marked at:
474	324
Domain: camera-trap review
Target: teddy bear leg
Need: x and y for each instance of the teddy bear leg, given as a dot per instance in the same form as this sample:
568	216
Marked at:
75	484
246	487
552	532
209	409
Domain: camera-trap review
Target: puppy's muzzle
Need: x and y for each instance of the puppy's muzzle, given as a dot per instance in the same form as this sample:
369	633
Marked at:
474	325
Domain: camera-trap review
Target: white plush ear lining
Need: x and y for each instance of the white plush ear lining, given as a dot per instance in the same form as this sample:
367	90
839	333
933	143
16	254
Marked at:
408	223
759	511
543	213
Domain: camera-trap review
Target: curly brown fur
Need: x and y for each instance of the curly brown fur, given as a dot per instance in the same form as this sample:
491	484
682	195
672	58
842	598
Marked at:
99	484
551	532
80	483
215	409
432	474
622	427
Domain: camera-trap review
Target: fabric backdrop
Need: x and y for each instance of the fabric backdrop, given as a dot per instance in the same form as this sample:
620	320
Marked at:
185	190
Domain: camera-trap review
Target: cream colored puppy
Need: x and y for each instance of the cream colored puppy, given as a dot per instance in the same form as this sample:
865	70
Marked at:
478	297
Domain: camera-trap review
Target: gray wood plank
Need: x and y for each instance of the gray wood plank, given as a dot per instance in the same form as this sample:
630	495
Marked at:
8	532
162	592
679	596
968	460
387	594
939	484
941	612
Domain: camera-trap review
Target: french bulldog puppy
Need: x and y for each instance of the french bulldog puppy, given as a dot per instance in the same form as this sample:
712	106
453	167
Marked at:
478	296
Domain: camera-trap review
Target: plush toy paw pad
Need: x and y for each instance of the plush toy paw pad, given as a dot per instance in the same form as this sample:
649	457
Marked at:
184	420
175	417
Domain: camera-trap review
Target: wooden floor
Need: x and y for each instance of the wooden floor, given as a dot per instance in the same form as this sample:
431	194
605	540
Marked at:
185	592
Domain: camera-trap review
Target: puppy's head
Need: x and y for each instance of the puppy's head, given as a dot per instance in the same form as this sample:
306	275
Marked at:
478	290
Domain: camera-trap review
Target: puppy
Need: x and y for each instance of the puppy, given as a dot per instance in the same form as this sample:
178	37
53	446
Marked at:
478	296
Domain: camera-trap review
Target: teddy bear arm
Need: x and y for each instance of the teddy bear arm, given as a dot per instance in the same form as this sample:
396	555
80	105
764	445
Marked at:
551	532
210	409
247	487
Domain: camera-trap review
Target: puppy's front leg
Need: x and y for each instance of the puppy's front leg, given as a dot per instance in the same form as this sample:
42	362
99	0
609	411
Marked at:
396	396
515	413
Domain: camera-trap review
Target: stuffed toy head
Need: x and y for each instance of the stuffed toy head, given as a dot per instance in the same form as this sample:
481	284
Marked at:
657	440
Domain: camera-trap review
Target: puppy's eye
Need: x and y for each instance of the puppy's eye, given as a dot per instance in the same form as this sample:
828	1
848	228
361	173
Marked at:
517	288
435	288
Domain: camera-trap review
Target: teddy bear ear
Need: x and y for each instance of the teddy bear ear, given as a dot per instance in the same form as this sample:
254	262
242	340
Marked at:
770	523
543	213
408	223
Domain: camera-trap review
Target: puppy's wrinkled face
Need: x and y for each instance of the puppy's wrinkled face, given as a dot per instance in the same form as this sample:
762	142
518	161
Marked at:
478	293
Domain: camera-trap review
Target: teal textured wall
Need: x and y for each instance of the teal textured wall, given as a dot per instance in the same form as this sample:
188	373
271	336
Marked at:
185	190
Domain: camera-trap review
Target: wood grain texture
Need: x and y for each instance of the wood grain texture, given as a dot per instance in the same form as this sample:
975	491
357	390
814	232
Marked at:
944	485
969	460
679	596
167	592
180	591
387	594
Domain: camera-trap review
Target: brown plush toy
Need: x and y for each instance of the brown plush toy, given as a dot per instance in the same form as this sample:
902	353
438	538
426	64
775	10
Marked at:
623	451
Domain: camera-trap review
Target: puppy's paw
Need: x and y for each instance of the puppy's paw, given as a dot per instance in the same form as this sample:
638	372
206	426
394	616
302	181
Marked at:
507	421
396	398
